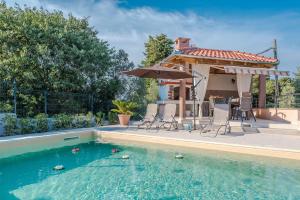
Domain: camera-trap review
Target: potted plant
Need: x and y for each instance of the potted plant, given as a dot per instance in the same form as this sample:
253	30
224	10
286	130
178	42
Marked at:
124	110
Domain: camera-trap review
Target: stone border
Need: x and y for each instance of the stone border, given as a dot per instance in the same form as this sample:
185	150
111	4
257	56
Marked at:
216	146
15	145
20	144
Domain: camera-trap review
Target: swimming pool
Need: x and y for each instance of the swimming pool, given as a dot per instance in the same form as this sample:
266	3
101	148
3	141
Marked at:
150	173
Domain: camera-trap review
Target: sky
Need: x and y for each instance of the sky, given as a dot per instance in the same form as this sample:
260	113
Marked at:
241	25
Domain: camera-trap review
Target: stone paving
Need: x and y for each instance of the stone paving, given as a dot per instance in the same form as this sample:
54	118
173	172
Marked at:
262	137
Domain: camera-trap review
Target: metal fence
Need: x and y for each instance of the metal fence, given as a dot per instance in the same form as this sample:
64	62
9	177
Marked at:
283	101
32	102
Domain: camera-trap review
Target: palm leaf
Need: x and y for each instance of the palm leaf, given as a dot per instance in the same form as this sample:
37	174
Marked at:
124	107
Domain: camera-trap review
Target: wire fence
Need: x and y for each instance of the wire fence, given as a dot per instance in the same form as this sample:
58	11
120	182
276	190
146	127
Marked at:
32	102
28	103
283	101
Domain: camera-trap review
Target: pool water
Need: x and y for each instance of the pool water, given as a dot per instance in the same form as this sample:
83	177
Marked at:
150	173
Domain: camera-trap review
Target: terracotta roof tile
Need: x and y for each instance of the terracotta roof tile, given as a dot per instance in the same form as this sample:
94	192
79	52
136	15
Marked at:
228	54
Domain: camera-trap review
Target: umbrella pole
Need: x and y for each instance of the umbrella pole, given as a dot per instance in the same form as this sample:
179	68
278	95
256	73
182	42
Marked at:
194	97
194	104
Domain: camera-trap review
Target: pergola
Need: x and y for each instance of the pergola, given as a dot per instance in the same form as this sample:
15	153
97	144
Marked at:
212	66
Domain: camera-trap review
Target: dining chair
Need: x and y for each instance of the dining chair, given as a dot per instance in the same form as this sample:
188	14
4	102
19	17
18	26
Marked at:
246	107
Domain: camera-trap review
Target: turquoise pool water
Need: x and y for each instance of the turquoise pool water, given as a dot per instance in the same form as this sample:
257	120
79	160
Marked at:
149	173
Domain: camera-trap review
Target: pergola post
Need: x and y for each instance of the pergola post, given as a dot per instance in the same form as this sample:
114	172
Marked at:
262	91
182	98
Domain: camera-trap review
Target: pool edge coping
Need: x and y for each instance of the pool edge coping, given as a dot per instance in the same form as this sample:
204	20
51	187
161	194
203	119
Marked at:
45	134
230	147
189	143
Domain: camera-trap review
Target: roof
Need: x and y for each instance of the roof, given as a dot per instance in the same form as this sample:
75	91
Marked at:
226	55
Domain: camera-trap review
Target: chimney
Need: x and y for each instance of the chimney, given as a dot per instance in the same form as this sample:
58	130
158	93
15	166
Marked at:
182	43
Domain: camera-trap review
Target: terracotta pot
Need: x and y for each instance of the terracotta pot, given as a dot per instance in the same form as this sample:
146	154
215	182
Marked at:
124	119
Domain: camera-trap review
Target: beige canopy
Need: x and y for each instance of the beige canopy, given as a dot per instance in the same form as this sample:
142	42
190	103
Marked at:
244	74
251	70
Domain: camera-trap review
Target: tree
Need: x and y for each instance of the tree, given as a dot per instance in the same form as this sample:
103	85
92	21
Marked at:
270	86
116	84
297	80
45	50
297	87
120	63
287	87
287	98
45	47
156	49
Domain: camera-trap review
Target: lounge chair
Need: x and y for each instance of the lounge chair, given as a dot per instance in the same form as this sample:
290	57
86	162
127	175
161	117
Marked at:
211	106
219	120
150	116
168	117
205	121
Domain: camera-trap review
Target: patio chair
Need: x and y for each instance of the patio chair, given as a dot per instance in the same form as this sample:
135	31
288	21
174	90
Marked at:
205	120
219	120
168	117
150	116
246	107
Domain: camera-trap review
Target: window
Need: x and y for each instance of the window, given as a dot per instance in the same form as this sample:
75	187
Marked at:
190	68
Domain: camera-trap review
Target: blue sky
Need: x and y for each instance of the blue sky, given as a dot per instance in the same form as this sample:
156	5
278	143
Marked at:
216	7
245	25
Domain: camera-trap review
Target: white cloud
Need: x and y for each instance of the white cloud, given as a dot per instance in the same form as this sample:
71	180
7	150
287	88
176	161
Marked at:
129	28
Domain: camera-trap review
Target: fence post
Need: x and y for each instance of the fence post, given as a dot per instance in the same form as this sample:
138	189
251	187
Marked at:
45	101
15	96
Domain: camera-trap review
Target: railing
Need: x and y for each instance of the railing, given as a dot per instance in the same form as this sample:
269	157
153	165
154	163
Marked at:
31	102
283	101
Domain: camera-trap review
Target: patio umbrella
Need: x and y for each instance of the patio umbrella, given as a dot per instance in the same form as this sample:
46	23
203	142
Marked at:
159	72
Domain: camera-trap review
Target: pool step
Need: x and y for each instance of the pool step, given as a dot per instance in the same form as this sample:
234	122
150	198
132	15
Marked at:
71	138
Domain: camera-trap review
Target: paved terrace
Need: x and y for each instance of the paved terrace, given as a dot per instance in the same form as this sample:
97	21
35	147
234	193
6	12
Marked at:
273	141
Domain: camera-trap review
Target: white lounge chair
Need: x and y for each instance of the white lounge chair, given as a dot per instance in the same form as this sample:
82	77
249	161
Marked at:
150	116
168	117
219	120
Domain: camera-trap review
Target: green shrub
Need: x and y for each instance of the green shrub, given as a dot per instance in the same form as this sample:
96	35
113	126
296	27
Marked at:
10	124
100	116
5	107
62	121
41	122
89	119
26	126
80	121
112	118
